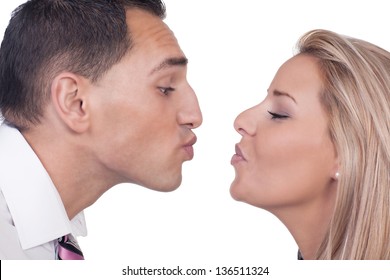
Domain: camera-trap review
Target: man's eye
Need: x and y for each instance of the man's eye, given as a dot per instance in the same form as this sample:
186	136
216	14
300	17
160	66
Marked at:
166	90
277	116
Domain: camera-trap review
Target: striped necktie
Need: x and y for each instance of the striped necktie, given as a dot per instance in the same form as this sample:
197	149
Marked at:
68	249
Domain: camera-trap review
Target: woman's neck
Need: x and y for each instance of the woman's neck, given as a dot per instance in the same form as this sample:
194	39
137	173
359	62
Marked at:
308	222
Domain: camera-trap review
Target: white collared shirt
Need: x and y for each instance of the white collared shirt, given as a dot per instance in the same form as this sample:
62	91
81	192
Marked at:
32	215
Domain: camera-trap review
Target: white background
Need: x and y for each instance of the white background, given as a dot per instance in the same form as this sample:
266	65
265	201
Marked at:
234	49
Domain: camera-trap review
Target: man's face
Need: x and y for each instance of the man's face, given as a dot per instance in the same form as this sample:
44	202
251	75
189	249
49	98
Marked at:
144	110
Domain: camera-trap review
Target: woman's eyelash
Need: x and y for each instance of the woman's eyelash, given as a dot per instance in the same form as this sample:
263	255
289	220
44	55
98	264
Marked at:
277	116
166	90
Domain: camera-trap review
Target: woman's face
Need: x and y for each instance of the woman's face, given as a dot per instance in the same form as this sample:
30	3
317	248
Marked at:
286	157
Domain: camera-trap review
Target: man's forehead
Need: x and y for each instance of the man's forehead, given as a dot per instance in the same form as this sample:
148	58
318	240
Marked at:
153	42
142	22
149	31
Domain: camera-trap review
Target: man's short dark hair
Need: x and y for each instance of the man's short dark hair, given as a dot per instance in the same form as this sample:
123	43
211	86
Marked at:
47	37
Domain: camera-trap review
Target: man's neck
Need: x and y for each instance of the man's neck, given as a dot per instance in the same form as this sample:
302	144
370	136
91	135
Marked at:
79	179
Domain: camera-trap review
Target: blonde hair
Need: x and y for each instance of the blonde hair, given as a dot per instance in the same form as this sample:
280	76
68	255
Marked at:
356	95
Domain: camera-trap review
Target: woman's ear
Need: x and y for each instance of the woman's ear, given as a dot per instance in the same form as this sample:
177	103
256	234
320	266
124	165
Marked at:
69	97
336	176
335	172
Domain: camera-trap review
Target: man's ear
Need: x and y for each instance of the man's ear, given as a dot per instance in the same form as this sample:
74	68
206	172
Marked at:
69	96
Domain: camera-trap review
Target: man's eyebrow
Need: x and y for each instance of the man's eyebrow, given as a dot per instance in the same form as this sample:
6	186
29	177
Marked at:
281	93
169	62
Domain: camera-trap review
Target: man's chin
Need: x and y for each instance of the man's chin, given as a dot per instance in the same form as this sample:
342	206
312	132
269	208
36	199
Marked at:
167	185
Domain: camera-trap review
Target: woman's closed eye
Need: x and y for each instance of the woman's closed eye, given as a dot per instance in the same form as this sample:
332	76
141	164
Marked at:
277	116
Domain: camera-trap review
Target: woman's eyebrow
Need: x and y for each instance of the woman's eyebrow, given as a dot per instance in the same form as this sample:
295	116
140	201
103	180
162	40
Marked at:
282	93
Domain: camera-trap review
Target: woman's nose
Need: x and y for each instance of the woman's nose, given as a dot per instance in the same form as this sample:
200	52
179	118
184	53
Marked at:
245	122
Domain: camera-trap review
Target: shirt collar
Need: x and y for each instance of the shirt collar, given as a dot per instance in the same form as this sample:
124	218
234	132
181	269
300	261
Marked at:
34	202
